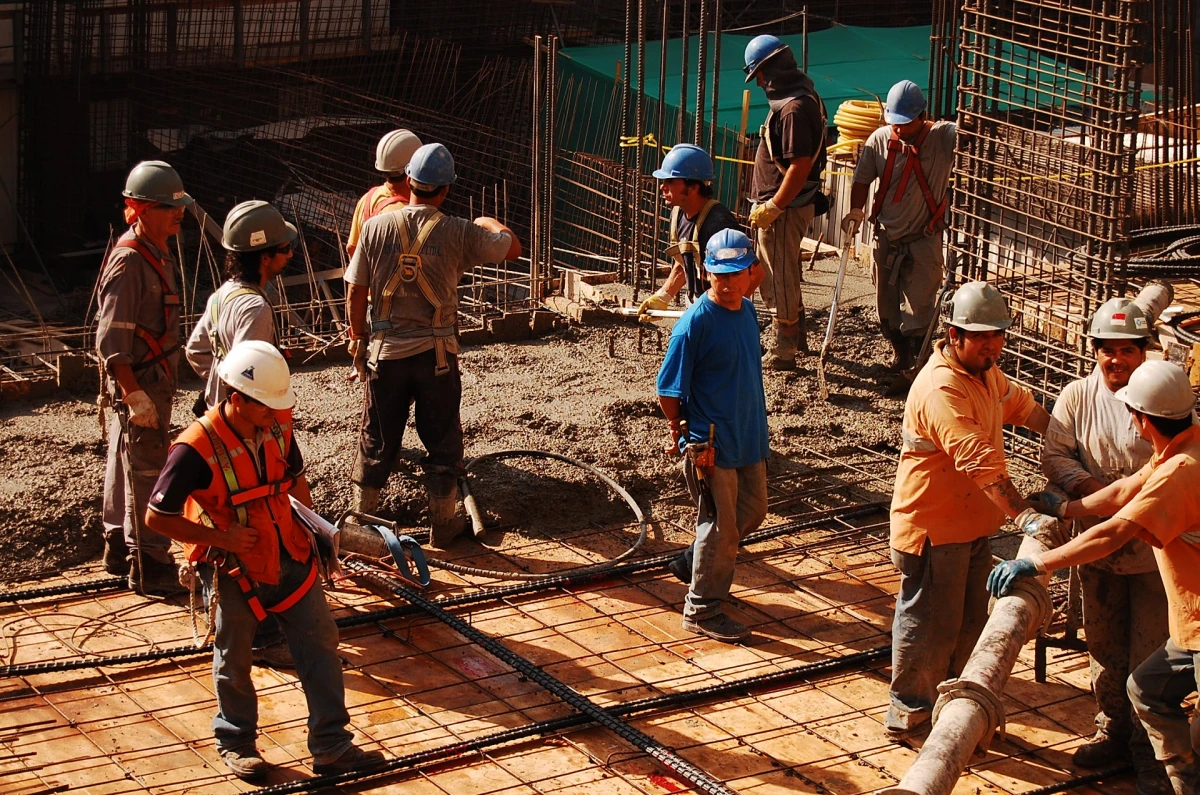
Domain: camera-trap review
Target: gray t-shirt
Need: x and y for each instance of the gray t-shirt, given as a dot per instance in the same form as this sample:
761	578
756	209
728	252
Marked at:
246	316
454	247
911	214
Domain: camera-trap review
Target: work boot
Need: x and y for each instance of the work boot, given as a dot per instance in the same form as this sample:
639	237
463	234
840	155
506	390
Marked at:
1152	776
157	578
916	342
899	384
116	554
719	627
788	338
245	763
902	357
681	566
352	760
364	499
1101	751
444	521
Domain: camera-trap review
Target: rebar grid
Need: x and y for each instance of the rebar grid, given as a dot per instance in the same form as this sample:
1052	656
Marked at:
1044	169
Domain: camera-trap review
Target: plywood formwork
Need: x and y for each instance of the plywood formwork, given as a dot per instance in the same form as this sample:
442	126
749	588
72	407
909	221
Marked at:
816	594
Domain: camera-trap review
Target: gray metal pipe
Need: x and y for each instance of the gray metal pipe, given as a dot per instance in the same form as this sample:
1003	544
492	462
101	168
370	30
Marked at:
969	711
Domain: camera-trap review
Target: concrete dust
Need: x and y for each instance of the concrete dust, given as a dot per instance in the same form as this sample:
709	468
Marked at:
563	393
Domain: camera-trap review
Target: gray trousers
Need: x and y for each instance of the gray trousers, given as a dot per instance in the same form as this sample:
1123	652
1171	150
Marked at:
740	496
779	253
1157	689
147	456
905	298
940	612
1125	620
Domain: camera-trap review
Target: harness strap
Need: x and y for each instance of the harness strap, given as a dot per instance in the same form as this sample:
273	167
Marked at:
226	564
214	314
912	167
157	353
409	268
239	497
811	186
372	209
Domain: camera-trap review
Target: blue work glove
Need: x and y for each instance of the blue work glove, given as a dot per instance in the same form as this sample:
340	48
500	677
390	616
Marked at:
1001	579
1049	503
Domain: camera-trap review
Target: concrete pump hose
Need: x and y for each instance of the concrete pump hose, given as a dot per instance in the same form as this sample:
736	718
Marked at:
588	569
856	119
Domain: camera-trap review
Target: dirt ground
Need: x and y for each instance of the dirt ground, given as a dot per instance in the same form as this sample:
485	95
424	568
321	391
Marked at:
563	393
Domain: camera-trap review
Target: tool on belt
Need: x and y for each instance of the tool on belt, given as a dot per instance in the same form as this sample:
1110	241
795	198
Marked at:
702	455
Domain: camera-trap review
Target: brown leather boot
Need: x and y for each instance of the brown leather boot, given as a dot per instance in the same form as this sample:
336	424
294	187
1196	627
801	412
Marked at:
901	353
445	523
787	341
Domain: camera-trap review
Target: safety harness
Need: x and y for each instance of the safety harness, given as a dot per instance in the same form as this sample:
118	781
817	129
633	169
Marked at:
157	353
684	247
809	191
912	167
409	269
216	303
226	562
372	209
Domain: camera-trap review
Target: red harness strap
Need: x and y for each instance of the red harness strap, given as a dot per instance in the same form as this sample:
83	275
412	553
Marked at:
912	166
158	353
223	563
372	209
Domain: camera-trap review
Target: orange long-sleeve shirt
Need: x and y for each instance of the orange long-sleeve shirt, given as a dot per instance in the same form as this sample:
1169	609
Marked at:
953	449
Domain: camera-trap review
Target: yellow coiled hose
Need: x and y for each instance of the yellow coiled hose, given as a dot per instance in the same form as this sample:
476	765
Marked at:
856	119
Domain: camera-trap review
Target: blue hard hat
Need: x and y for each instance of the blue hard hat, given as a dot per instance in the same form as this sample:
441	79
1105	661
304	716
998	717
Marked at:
686	161
431	166
729	251
759	50
905	102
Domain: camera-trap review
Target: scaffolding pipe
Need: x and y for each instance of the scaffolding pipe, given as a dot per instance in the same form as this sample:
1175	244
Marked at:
969	710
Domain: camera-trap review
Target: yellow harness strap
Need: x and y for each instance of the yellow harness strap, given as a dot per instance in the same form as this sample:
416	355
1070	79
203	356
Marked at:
214	315
409	269
238	497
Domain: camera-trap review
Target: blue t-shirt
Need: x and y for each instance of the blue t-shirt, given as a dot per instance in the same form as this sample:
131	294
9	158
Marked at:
714	366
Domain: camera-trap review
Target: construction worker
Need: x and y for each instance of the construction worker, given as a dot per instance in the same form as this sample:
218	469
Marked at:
408	264
1159	504
911	157
952	492
225	494
1092	442
685	181
392	154
258	246
711	379
786	187
137	341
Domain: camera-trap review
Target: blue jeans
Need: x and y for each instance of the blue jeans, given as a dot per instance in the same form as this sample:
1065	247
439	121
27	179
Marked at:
940	612
1157	688
312	637
740	496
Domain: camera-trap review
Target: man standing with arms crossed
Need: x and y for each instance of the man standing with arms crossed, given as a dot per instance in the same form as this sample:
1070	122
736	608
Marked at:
912	158
786	187
711	378
1159	504
408	263
952	492
137	341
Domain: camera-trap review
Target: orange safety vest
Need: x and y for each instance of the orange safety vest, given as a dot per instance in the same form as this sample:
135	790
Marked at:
237	494
912	166
157	352
371	210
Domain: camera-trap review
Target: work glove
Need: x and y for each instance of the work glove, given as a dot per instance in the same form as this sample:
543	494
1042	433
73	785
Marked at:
1047	529
357	349
852	220
200	406
763	215
1001	578
142	412
658	301
1049	503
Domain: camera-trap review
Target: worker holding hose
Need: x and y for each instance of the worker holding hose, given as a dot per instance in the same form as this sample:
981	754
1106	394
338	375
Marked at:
1091	443
1159	504
952	491
911	157
786	187
407	265
710	388
685	180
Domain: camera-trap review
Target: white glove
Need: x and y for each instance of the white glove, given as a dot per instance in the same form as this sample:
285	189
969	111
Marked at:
1046	529
852	220
358	352
763	215
141	409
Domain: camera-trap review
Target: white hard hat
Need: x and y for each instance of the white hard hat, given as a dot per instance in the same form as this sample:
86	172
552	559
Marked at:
1160	389
1119	319
395	150
258	370
978	306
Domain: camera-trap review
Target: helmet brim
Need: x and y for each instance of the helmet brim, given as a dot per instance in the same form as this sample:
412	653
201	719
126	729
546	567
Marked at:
658	173
751	71
281	403
982	326
891	117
